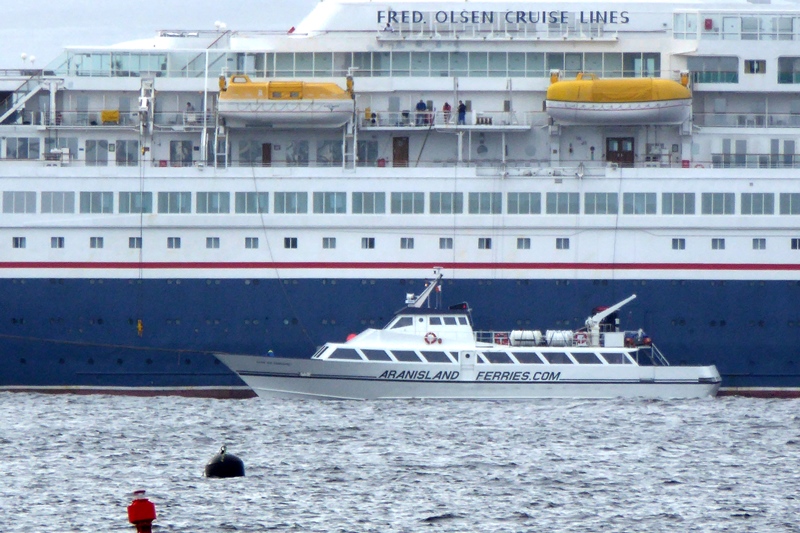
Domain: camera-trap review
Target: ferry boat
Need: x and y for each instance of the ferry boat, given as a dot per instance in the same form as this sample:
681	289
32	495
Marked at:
426	352
153	215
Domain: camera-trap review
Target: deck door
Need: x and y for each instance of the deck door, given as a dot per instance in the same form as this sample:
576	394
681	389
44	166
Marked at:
400	151
266	154
619	150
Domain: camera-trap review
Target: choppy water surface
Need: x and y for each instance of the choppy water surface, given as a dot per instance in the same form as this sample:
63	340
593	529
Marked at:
731	464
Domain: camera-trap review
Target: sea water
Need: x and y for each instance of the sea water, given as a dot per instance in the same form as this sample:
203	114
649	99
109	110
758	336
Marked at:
70	463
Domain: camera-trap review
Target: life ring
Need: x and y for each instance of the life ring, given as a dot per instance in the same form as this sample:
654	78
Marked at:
698	165
430	338
580	339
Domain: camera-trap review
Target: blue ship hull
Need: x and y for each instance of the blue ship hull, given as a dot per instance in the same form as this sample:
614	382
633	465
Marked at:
81	335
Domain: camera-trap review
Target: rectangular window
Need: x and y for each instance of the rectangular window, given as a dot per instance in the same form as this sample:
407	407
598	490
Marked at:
18	242
718	203
485	243
95	242
58	202
485	203
329	243
135	202
795	244
446	203
407	203
639	203
523	243
678	244
406	243
97	202
212	242
368	243
180	153
127	153
96	153
22	148
445	243
252	202
135	242
677	203
369	203
759	203
562	243
290	242
759	244
213	202
562	203
175	202
600	203
291	202
19	202
251	243
524	203
790	203
755	66
173	243
717	244
56	242
330	202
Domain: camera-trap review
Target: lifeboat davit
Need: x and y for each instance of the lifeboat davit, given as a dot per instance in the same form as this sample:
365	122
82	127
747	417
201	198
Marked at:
295	104
619	101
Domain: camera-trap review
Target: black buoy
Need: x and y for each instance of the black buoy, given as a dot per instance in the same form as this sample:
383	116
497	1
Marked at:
225	465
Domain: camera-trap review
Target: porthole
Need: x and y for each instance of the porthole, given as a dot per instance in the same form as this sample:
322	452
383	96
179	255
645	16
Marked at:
247	282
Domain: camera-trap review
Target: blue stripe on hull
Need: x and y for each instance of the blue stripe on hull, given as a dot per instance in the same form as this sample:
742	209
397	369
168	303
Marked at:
83	332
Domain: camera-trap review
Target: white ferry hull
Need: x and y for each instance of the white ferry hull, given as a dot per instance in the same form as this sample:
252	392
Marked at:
272	377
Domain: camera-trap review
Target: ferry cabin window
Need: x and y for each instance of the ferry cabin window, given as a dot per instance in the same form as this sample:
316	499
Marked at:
795	244
528	358
485	203
329	153
127	153
639	203
408	203
449	320
406	356
402	322
368	243
251	243
97	202
616	359
213	202
759	244
135	242
446	203
600	203
484	243
376	355
436	357
251	202
463	321
713	69
678	244
212	242
95	242
290	242
96	153
22	148
330	202
677	203
345	353
562	203
18	242
435	321
717	244
718	203
368	203
524	203
251	153
291	202
498	358
19	201
175	202
406	243
180	153
562	243
173	243
523	243
789	69
135	202
56	242
445	243
58	202
755	66
557	358
586	358
790	203
758	203
329	243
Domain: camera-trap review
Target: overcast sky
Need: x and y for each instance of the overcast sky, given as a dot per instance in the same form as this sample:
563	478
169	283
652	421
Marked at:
41	28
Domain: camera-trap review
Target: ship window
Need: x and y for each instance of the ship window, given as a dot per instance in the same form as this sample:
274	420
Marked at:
406	356
406	243
408	202
484	243
291	202
329	242
173	243
368	243
58	202
251	242
180	153
445	243
563	203
463	321
127	152
524	203
213	202
759	244
175	202
449	321
678	244
22	148
790	203
18	242
344	353
498	358
446	203
795	244
97	202
95	242
376	355
639	203
402	322
718	203
252	202
600	203
133	242
435	321
436	357
523	243
290	242
755	66
485	203
369	203
56	242
616	359
330	202
677	203
586	358
135	202
557	358
528	358
717	244
762	203
562	243
212	242
19	202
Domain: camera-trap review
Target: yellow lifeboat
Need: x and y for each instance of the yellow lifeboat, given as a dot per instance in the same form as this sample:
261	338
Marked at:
619	101
295	104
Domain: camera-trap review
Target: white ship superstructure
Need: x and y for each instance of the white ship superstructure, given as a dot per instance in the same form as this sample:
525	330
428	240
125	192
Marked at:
193	191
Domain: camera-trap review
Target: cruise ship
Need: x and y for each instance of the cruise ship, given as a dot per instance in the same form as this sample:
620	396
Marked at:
264	192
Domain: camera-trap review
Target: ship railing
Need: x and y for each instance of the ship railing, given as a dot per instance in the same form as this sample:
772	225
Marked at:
380	118
650	355
747	120
765	161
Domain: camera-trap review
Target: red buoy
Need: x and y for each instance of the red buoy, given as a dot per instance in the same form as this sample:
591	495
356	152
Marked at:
141	512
